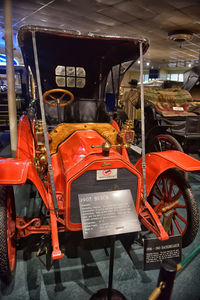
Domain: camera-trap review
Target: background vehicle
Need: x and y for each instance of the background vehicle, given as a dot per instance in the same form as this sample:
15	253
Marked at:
22	94
60	156
172	120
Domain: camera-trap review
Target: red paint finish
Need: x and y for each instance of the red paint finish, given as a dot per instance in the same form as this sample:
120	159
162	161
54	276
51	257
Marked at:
13	171
158	162
81	152
24	140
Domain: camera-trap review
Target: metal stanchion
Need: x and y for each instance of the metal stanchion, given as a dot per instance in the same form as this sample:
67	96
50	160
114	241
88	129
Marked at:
165	283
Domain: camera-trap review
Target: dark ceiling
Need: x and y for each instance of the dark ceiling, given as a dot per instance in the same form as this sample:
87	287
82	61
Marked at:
150	18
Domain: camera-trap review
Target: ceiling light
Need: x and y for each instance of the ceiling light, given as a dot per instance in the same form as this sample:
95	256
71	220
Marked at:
180	35
189	65
147	63
138	62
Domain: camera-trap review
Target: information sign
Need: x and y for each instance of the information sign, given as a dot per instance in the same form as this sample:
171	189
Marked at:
108	213
155	251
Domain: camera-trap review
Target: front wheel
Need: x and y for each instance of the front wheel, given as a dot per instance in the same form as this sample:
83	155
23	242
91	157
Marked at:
169	187
7	233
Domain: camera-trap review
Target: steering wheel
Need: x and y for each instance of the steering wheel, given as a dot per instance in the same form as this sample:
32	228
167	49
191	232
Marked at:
55	97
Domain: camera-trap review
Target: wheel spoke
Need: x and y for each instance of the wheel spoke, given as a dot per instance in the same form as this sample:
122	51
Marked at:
156	149
181	218
172	230
156	195
178	194
181	206
177	225
62	96
164	182
161	192
158	206
166	145
52	97
170	188
159	145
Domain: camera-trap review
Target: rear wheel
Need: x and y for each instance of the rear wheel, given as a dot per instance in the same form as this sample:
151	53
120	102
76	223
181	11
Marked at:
169	187
7	233
163	142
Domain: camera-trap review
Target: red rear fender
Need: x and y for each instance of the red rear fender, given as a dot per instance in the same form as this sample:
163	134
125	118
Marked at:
158	162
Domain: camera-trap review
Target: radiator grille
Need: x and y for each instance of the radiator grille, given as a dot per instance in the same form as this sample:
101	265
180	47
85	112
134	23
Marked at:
87	183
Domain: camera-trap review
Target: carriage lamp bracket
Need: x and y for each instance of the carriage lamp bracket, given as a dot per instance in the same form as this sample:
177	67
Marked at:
127	133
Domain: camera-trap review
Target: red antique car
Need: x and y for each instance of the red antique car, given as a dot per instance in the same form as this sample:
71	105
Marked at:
67	140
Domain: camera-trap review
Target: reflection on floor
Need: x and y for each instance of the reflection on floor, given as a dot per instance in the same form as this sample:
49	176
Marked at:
84	268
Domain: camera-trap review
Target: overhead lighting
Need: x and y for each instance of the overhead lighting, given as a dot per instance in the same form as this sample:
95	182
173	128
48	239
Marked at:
138	62
147	63
180	35
189	65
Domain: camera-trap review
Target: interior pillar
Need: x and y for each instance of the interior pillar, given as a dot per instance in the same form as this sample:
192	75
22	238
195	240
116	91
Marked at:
10	75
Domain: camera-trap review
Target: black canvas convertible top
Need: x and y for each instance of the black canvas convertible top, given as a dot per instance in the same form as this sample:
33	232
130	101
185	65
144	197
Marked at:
97	54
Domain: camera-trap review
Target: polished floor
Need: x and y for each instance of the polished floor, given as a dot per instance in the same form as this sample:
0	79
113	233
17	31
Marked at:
84	270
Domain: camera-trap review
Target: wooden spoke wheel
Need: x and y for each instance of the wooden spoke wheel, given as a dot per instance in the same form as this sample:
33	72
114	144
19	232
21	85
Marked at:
163	142
169	187
7	232
57	97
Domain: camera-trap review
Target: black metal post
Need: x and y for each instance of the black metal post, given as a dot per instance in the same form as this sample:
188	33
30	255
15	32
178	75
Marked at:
109	293
112	254
167	275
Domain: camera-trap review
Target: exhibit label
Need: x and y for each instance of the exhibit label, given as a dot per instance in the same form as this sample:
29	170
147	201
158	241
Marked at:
108	213
155	251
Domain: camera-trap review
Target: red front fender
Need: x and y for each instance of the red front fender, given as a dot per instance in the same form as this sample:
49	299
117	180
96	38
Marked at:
158	162
17	171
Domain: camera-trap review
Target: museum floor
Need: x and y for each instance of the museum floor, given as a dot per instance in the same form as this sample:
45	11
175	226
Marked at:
80	277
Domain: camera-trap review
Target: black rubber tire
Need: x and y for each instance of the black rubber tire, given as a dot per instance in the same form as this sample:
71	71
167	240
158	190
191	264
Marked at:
186	198
170	143
5	269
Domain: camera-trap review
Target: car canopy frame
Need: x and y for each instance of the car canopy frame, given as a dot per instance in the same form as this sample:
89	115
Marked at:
96	53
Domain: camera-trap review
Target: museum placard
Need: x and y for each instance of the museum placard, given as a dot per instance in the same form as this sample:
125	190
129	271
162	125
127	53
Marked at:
155	251
108	213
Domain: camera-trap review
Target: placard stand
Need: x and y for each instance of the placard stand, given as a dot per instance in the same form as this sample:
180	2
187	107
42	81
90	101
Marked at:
109	293
105	214
111	265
